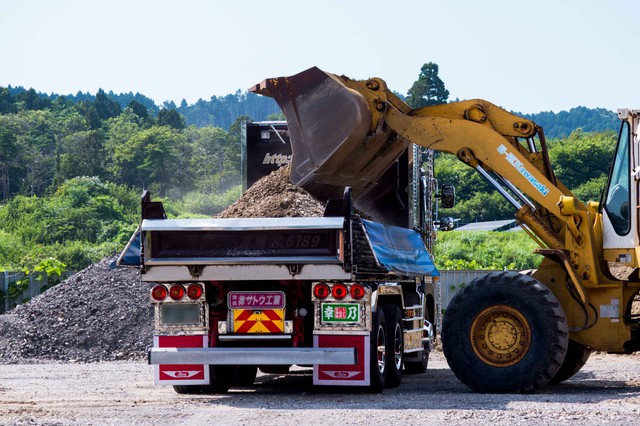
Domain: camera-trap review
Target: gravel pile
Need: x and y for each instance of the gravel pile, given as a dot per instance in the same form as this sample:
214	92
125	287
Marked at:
96	314
103	314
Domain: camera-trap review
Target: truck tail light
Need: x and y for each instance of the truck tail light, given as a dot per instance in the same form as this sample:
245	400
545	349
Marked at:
194	291
159	293
357	291
339	291
176	292
321	291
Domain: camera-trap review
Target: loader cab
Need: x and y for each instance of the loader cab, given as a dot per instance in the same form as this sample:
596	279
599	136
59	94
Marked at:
619	215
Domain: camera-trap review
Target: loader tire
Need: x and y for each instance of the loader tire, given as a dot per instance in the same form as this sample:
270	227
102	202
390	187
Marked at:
505	333
576	358
395	345
378	352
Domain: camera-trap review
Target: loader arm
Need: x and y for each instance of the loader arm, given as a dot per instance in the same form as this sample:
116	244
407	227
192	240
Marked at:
369	126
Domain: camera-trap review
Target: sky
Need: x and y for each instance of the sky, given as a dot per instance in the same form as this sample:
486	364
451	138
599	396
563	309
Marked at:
526	56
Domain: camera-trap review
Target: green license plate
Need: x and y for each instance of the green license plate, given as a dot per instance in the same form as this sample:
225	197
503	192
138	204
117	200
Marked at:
340	312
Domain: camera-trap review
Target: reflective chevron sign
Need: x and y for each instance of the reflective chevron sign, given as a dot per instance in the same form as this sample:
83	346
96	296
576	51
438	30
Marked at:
258	321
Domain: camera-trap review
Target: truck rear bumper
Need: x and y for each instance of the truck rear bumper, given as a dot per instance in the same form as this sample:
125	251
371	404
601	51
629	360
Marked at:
253	356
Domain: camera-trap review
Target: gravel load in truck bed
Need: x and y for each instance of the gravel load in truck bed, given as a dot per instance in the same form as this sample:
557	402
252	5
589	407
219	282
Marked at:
275	196
104	314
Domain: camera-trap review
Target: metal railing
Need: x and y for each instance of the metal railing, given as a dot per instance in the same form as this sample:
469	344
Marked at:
18	287
453	281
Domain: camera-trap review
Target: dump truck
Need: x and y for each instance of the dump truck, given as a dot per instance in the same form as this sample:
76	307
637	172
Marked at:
354	296
506	331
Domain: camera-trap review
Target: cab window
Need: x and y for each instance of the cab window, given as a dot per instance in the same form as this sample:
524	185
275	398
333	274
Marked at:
618	195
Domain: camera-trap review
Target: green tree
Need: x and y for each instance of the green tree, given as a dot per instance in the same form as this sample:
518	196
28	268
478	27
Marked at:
101	109
428	89
171	118
207	160
582	156
81	154
151	159
8	152
7	103
140	110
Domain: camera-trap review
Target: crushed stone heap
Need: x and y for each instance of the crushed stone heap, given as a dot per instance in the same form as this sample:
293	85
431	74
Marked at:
97	314
104	314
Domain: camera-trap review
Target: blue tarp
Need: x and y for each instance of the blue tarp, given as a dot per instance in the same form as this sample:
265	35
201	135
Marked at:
130	256
399	250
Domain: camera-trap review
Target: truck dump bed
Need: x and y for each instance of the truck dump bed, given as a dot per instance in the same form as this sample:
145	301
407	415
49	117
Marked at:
315	248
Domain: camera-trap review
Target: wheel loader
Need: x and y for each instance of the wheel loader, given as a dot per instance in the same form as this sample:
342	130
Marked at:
506	332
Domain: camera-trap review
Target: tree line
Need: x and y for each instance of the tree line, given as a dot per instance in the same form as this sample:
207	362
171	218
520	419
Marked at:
72	168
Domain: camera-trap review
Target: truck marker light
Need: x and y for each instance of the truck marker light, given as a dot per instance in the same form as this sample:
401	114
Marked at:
159	293
176	292
339	291
321	291
194	291
357	291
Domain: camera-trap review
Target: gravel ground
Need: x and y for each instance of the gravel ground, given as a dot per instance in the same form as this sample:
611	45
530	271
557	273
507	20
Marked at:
607	390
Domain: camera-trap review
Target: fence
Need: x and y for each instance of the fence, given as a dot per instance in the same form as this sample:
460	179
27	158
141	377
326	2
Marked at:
18	287
452	281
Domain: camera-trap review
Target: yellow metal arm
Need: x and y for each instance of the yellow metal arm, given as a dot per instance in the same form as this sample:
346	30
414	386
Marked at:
479	143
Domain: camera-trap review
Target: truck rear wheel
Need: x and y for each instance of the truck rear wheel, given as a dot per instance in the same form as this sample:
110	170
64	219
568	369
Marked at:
576	358
395	345
187	389
220	377
245	375
505	333
378	352
417	367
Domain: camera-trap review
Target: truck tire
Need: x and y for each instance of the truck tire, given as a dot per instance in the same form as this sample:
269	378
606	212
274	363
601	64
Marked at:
417	367
245	375
505	333
577	356
187	389
395	345
220	377
378	352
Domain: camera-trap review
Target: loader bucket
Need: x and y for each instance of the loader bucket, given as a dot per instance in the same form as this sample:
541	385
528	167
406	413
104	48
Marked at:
336	141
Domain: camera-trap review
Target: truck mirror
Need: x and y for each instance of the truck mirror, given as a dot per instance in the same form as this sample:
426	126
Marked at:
448	196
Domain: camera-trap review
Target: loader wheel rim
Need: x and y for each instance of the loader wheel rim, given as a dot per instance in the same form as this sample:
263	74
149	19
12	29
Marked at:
500	336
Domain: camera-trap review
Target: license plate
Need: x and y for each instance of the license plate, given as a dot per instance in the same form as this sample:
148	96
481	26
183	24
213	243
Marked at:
340	312
180	313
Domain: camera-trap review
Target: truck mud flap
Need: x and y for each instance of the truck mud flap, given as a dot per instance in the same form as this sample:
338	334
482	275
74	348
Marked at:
180	374
357	374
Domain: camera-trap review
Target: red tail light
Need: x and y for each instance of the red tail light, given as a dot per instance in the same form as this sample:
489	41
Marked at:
194	291
176	292
358	291
321	291
159	293
339	291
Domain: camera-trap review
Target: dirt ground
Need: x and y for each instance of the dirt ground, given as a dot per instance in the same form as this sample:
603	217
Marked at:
607	390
